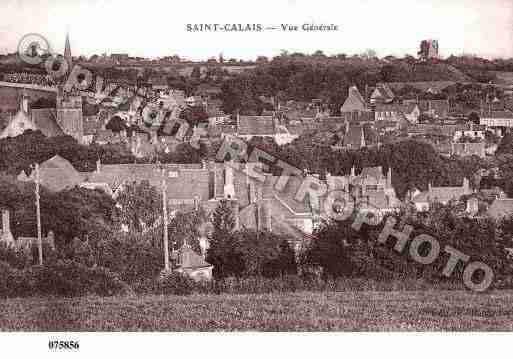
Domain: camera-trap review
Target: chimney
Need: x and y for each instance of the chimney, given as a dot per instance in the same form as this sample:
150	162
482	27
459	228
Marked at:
389	177
353	172
98	165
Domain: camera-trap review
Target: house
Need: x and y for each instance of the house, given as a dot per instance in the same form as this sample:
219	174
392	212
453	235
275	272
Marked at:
411	112
26	243
193	265
497	119
263	126
44	120
443	195
17	125
264	205
501	208
383	127
471	131
372	190
435	108
56	174
464	149
22	243
382	94
388	112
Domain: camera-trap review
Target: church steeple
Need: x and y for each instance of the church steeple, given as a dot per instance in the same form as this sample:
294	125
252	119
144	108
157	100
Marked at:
67	50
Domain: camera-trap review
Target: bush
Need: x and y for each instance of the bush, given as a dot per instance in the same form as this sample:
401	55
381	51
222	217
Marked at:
68	278
134	261
14	258
175	284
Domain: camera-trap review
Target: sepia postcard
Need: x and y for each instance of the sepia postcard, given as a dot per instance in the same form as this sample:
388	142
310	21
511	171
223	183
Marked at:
186	168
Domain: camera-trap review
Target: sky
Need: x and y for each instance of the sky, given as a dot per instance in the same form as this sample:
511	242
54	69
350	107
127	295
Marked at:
156	28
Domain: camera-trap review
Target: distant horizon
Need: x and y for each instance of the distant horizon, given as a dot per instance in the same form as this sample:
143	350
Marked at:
160	28
255	57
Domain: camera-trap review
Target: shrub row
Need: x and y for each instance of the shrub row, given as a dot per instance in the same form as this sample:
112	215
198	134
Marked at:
67	278
63	278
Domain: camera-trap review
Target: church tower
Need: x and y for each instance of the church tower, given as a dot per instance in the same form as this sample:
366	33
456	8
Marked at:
69	114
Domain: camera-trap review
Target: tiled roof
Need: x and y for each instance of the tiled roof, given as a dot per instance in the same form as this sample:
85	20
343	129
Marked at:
441	194
256	125
354	101
383	92
56	174
183	181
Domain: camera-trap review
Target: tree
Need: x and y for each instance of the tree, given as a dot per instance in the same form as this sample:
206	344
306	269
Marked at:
116	124
223	220
185	227
196	73
248	253
506	145
369	54
474	118
139	205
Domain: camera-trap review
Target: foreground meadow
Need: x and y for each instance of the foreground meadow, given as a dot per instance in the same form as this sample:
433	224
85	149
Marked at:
337	311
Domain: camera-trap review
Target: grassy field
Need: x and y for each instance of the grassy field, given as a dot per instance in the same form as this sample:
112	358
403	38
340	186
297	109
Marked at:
343	311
